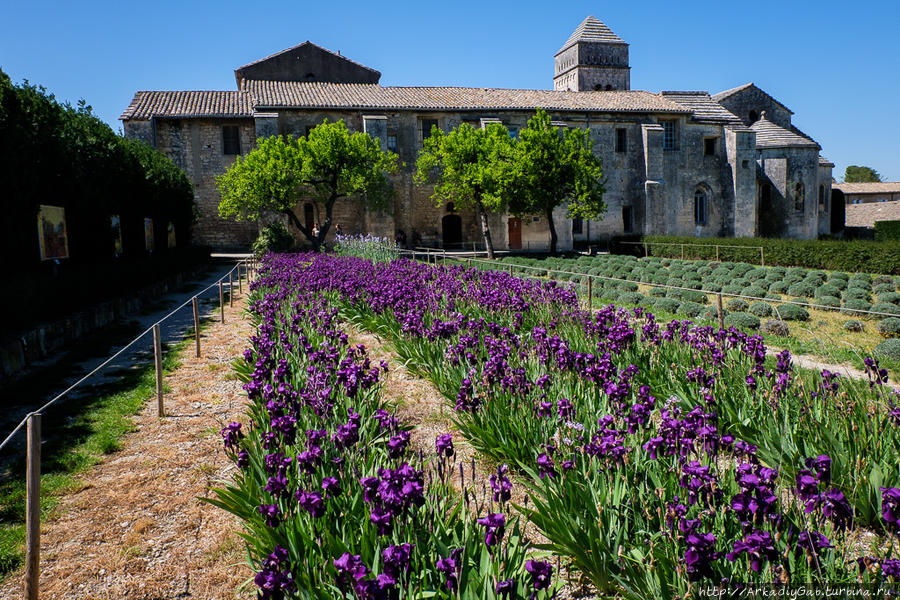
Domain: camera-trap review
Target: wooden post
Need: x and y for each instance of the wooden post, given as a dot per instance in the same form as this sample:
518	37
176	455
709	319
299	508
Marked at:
222	300
157	357
33	508
474	253
682	251
717	253
196	323
590	298
240	280
230	290
721	312
762	256
646	250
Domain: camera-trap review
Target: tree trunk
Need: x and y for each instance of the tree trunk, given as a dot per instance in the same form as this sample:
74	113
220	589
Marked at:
309	236
485	231
552	225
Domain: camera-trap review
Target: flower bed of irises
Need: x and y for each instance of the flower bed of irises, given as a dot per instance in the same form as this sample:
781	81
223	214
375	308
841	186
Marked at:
658	458
335	503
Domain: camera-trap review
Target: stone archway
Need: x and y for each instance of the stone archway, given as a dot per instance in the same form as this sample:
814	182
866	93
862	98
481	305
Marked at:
451	231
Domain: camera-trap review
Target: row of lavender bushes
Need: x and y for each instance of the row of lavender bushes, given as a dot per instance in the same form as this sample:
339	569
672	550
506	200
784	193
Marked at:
334	502
659	457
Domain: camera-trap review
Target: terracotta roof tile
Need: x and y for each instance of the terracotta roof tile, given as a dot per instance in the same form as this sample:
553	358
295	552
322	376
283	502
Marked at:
882	187
194	104
291	94
866	215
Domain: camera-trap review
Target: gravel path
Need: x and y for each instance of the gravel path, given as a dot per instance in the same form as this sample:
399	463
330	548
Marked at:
135	527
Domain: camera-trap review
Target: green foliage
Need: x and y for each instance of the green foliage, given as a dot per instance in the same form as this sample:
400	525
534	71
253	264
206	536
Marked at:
803	290
887	231
761	309
370	247
274	237
329	165
792	312
890	297
690	309
889	349
828	301
737	305
889	327
742	320
555	166
669	305
886	307
471	167
858	174
776	327
852	306
853	325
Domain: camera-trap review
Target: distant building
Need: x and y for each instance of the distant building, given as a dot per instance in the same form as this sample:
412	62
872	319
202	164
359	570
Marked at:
680	162
862	193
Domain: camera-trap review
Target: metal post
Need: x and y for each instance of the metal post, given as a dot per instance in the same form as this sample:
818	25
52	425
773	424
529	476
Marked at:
196	323
222	300
33	508
230	290
157	357
721	312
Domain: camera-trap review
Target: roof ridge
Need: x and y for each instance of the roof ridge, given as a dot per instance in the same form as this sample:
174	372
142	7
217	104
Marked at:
592	29
294	47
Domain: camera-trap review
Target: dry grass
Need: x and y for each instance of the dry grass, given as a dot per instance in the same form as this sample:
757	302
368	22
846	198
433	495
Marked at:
135	527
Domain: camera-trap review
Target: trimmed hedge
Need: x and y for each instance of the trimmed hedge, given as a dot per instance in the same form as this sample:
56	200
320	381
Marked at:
742	320
887	231
832	255
889	349
853	325
761	309
737	305
792	312
890	327
776	327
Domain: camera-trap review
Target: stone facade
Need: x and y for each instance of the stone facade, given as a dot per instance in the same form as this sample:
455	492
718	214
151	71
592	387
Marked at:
681	163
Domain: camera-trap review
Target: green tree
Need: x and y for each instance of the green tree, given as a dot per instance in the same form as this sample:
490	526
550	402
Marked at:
329	165
471	168
857	174
554	166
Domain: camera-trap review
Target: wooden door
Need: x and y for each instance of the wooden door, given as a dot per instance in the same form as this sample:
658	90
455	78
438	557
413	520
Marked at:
515	234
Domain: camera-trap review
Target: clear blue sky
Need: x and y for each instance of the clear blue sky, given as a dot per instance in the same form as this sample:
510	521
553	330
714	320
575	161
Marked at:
835	64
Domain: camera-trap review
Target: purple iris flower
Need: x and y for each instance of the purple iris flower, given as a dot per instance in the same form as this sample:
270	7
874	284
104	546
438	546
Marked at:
541	573
444	444
495	523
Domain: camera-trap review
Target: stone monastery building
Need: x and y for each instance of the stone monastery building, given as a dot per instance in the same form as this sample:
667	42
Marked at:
685	163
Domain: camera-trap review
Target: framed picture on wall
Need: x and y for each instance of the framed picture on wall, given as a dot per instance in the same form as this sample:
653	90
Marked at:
52	232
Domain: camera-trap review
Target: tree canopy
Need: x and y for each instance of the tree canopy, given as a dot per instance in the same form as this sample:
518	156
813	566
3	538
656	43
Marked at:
554	166
857	174
328	165
470	167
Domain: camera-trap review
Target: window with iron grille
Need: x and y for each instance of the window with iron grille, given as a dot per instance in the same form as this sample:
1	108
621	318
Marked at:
621	139
231	140
669	135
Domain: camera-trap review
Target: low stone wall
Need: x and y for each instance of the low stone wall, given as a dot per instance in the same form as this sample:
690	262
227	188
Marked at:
38	344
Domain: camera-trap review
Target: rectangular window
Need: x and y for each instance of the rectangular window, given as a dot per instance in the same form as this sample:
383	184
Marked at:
700	208
427	125
577	225
231	140
392	143
621	140
627	219
513	132
709	146
669	135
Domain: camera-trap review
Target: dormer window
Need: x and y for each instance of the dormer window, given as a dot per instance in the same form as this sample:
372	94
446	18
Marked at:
753	116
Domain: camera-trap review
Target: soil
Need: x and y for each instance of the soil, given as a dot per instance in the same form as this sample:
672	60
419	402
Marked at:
135	528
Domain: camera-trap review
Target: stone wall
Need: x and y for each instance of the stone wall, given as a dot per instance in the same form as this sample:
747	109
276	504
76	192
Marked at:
741	103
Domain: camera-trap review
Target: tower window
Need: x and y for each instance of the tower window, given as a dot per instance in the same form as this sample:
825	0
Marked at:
700	207
753	116
799	199
231	140
709	146
669	135
621	139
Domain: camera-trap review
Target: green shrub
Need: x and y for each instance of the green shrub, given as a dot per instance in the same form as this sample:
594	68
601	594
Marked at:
886	231
801	290
779	287
660	278
828	302
890	327
755	292
274	237
792	312
760	309
732	288
840	284
628	286
691	276
853	325
721	271
886	307
742	320
889	349
776	327
853	293
690	309
741	281
758	273
853	305
827	290
742	268
632	298
711	286
657	292
890	297
838	275
694	296
704	271
773	296
669	305
737	305
864	278
883	288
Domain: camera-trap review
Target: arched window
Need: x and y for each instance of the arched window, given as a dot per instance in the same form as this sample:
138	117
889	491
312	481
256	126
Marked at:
754	116
598	87
799	197
701	201
609	87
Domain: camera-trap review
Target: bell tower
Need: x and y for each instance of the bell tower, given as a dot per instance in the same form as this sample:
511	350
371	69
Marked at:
593	58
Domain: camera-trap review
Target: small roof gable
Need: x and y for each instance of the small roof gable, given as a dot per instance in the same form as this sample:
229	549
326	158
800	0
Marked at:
297	62
728	93
705	108
770	135
592	29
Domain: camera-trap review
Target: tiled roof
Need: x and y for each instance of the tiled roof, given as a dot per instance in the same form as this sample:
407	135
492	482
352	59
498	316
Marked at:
770	135
293	94
865	215
725	94
195	104
704	107
882	187
306	43
824	162
592	29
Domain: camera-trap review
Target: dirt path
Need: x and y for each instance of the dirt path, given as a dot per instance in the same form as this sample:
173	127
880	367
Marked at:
135	528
